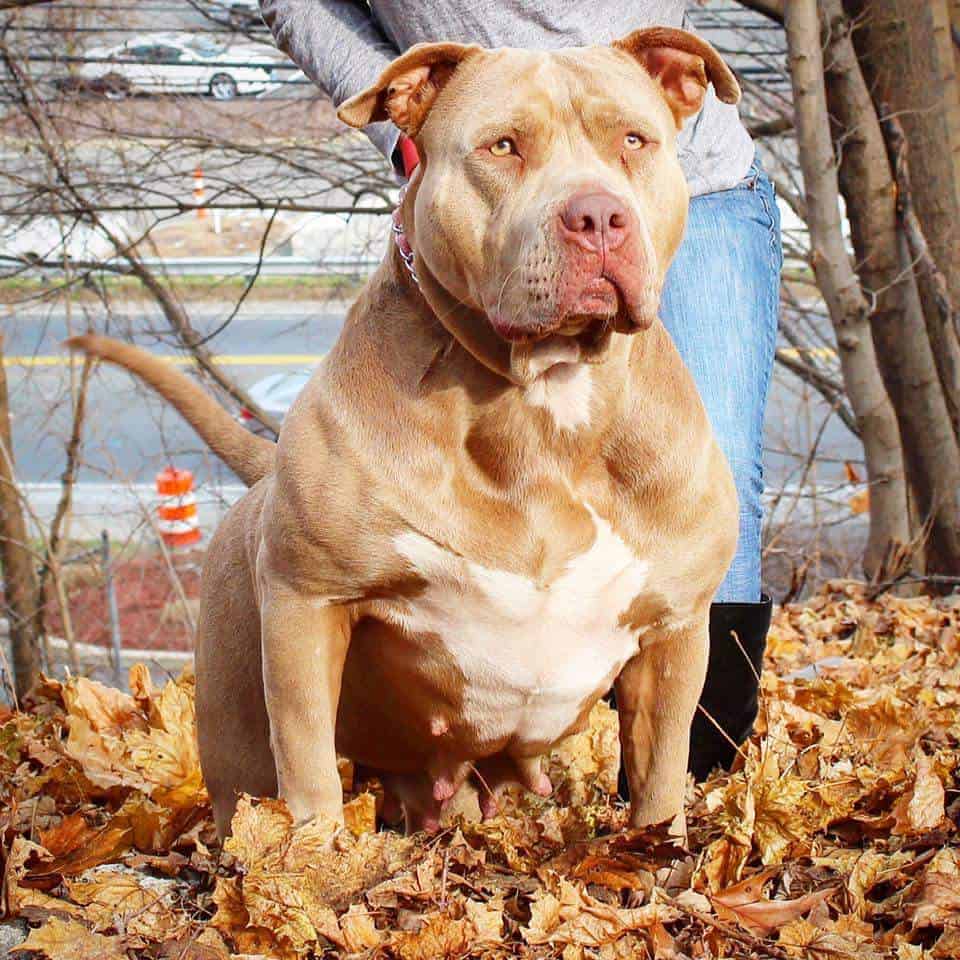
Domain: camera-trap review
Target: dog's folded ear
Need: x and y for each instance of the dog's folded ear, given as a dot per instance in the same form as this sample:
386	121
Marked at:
683	64
408	87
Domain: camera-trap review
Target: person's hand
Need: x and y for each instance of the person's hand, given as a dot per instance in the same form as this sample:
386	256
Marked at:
409	158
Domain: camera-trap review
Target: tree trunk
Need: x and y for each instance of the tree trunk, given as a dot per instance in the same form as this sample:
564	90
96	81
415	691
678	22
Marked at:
896	47
849	310
931	283
955	37
773	9
20	580
907	53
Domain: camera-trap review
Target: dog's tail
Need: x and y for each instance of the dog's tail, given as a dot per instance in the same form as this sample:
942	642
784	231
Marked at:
248	456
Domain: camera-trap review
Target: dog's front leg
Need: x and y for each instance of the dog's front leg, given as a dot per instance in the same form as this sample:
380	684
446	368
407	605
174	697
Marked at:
657	694
305	643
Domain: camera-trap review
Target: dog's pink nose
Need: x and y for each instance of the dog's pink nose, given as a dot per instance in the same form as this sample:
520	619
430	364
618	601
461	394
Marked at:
595	219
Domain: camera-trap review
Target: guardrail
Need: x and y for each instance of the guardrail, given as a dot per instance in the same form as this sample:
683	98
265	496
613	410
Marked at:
102	660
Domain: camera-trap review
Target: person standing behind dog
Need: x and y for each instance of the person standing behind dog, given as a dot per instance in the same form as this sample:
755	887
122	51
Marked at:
721	296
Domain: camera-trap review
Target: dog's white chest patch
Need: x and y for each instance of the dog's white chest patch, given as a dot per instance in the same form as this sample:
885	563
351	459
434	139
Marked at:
529	653
564	391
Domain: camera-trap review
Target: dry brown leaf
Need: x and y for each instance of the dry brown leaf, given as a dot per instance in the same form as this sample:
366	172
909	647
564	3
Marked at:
746	905
947	946
803	939
72	832
260	833
358	929
166	754
360	814
569	915
544	917
24	900
461	853
885	727
589	761
615	873
275	902
207	945
417	884
145	742
231	916
921	808
118	901
99	846
69	940
938	901
869	868
294	879
846	752
105	710
441	937
256	943
487	920
723	863
779	807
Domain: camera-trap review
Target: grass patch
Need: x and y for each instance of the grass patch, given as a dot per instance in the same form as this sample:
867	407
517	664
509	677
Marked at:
327	287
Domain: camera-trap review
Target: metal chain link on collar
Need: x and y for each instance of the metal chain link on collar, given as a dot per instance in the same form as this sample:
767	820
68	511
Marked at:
400	239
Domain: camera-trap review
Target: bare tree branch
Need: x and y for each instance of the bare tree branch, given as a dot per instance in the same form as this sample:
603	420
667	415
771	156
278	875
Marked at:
19	576
942	321
19	4
774	9
172	309
849	309
770	128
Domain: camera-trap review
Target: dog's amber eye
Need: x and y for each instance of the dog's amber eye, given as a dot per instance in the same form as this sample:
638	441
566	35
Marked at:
503	147
633	141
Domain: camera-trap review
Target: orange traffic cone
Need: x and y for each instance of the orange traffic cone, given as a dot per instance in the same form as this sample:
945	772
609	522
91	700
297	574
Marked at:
199	193
177	520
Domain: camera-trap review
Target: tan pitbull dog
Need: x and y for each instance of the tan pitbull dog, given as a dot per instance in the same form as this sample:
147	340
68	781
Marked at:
499	494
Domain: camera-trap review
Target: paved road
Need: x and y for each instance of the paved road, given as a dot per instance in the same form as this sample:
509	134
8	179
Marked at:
132	434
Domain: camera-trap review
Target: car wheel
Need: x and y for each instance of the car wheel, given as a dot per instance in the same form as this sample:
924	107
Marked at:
223	86
114	86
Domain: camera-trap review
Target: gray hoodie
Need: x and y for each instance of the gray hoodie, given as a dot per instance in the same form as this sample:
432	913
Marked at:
343	45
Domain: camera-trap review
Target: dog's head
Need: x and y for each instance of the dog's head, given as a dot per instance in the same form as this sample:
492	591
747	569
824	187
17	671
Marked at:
549	200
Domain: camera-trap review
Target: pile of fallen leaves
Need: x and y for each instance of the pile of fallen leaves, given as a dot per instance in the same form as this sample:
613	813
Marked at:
837	834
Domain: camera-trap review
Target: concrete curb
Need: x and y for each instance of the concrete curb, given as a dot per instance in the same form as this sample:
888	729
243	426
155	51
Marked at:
96	658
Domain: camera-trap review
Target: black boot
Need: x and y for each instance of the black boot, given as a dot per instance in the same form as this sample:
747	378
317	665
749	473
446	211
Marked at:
731	689
730	693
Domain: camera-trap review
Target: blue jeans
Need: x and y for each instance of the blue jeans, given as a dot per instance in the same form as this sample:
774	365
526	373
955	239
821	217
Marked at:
720	304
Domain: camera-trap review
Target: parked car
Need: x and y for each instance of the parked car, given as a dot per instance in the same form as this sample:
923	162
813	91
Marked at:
177	63
289	81
274	394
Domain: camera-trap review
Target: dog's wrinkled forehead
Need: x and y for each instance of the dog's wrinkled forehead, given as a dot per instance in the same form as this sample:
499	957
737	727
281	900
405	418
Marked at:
678	64
543	97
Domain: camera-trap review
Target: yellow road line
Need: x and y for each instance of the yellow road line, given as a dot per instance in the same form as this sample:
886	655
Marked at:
178	360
